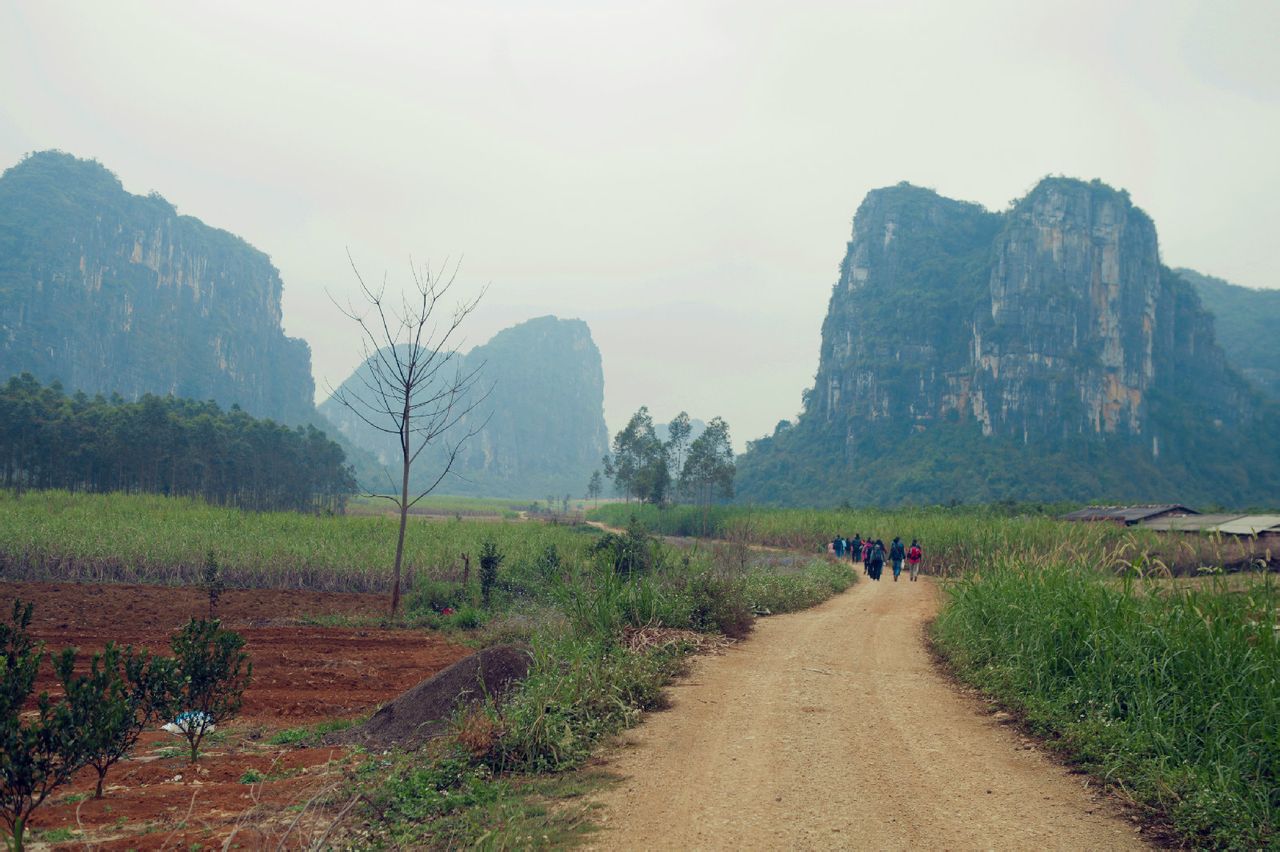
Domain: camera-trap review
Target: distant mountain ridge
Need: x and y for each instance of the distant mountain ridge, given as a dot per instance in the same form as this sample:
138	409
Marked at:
1040	353
544	431
109	292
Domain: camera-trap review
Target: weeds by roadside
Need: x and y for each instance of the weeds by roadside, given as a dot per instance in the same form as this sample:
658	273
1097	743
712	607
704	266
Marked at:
1170	693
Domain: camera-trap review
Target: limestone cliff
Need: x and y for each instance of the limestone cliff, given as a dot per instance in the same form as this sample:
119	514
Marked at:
1051	327
109	292
544	430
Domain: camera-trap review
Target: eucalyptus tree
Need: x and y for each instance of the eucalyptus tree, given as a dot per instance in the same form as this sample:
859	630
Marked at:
709	470
638	464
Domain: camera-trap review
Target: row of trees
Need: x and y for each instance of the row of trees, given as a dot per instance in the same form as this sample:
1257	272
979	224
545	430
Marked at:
103	711
167	446
647	468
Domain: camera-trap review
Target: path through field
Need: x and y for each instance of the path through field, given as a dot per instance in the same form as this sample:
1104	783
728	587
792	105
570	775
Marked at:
831	728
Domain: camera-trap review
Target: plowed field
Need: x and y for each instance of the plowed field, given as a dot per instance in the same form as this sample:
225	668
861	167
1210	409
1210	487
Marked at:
302	675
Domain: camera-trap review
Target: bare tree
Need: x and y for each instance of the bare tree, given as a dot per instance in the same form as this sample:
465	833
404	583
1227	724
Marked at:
414	385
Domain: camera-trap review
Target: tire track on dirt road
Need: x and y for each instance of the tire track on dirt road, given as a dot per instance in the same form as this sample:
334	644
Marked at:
831	728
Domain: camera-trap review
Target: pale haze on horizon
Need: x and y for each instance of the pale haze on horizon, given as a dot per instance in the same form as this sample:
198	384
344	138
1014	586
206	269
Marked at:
682	176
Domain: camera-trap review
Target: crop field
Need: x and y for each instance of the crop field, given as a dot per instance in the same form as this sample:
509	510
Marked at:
444	506
299	591
54	535
957	540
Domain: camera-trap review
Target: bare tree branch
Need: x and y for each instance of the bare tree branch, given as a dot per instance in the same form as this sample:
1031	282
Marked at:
411	384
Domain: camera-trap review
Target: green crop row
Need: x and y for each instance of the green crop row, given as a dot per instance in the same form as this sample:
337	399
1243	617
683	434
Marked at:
56	535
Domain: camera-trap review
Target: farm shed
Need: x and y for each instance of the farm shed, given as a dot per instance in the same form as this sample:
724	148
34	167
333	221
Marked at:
1267	526
1129	515
1189	523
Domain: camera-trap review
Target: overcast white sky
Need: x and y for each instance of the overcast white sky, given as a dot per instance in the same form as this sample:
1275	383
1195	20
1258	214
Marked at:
681	175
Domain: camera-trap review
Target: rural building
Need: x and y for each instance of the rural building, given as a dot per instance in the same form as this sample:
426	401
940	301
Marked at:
1262	526
1129	515
1189	523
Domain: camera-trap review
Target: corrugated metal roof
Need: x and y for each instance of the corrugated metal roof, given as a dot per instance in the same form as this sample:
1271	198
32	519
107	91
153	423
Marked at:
1190	523
1125	514
1251	525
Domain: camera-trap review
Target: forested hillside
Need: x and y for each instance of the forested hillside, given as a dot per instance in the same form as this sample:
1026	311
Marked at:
167	446
1248	326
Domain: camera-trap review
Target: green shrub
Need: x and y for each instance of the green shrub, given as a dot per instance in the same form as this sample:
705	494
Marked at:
575	694
717	603
115	701
490	560
212	672
466	618
37	755
632	552
435	596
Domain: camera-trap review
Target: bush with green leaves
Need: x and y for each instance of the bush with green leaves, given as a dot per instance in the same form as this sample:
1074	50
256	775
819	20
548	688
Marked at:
490	560
123	692
212	673
717	604
634	551
436	596
576	694
37	755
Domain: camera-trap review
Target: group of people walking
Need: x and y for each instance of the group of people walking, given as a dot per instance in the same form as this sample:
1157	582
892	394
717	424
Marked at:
872	554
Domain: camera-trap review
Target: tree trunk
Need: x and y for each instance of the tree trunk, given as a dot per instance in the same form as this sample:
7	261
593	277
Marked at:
102	774
404	518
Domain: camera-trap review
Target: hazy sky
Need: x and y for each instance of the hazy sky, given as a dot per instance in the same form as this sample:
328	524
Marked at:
680	175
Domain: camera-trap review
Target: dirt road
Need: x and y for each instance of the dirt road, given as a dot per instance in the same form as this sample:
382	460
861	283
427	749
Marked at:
831	729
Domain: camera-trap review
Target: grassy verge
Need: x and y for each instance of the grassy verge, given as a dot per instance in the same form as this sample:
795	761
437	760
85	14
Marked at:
499	780
1170	693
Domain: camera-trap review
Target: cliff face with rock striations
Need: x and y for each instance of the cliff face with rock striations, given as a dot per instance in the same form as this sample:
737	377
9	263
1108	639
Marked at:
1047	343
109	292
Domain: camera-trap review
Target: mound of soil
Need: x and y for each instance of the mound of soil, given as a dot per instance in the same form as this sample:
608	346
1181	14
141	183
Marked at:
424	711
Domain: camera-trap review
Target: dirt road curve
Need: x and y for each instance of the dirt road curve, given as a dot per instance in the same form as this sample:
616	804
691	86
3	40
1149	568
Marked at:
831	729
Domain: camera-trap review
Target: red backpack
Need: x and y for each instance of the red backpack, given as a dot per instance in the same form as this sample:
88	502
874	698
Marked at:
914	553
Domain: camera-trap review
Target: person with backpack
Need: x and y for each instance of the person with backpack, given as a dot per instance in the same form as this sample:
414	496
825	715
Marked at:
867	545
898	553
914	555
876	565
855	548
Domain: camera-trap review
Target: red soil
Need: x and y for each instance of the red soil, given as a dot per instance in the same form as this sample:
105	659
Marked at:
301	675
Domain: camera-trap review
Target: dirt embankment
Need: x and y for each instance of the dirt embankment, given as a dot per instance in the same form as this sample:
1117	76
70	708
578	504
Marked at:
831	728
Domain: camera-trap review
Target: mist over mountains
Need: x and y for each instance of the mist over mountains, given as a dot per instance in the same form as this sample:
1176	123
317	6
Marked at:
541	418
1040	353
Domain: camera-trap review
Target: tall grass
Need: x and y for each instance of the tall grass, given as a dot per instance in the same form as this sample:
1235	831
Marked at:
56	535
955	539
1169	690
